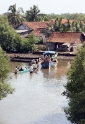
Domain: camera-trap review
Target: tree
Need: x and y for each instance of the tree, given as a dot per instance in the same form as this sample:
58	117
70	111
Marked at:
75	89
76	26
57	26
10	41
67	26
33	14
15	17
30	43
5	87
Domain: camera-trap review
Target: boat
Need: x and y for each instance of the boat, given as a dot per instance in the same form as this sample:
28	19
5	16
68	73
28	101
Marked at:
50	59
23	71
33	68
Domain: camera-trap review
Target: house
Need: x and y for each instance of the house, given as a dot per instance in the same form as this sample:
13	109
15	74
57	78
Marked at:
36	27
65	41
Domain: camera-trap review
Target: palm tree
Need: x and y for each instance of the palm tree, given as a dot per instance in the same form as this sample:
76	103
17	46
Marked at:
77	26
33	14
14	17
67	26
58	24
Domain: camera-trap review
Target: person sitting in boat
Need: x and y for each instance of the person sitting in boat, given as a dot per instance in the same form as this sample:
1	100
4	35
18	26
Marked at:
33	61
46	59
31	68
37	61
16	70
34	66
25	68
21	69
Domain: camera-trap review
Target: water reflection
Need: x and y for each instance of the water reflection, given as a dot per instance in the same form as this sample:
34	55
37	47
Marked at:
37	98
60	70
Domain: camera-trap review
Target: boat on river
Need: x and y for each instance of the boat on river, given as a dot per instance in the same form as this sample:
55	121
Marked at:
31	69
50	59
23	71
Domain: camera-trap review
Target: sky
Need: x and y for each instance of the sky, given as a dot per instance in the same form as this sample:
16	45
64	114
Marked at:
46	6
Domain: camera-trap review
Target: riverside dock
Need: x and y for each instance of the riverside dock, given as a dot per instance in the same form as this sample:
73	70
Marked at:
24	57
18	57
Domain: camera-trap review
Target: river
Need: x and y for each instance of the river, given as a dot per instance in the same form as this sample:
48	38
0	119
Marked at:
37	98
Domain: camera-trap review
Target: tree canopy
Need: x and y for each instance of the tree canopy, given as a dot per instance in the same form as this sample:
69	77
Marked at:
33	14
14	16
30	43
11	41
75	89
5	87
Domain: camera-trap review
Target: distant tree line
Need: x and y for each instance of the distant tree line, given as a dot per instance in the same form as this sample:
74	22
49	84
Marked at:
16	17
70	16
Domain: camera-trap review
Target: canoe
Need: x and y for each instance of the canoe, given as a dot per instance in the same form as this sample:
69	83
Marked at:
19	72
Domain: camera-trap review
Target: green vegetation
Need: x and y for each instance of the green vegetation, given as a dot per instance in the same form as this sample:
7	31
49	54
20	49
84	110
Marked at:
33	14
71	16
11	41
75	89
29	43
5	87
58	26
14	16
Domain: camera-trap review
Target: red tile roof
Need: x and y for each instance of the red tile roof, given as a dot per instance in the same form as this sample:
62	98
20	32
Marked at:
65	37
36	25
63	21
37	32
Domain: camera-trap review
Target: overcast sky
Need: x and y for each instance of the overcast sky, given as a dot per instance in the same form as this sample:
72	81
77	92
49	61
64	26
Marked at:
46	6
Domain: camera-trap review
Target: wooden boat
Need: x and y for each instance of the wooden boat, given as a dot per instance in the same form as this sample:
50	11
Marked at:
31	69
34	69
19	72
50	59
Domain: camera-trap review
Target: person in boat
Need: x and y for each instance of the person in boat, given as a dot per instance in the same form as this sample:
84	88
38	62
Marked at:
21	69
37	61
34	66
31	68
16	70
46	59
33	61
25	68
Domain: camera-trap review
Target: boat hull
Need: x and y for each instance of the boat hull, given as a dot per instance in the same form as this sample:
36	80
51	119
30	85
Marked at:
46	65
24	71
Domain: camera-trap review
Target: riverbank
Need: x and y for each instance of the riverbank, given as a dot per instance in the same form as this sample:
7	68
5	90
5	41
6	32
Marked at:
29	56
